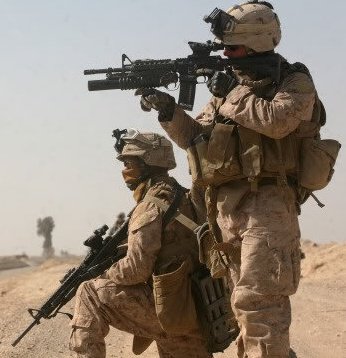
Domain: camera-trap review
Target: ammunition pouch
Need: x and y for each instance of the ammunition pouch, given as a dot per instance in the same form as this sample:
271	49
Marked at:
234	152
215	160
212	310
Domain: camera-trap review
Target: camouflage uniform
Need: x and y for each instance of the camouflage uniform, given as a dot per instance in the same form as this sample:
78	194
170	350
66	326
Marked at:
123	296
261	226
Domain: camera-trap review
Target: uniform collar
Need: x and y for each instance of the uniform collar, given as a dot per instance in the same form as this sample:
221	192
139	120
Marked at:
142	188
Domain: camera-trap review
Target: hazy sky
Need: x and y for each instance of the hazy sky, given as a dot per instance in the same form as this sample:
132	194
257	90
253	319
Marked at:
56	149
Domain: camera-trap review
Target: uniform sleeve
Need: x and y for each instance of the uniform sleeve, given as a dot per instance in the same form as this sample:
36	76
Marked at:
144	243
279	117
182	129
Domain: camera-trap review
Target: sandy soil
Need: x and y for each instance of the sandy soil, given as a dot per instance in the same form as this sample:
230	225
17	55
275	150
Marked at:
319	310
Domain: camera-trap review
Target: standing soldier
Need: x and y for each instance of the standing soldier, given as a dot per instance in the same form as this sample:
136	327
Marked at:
242	147
45	227
147	293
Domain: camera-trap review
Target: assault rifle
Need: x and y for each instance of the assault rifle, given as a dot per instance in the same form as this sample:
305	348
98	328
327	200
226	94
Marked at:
103	252
162	73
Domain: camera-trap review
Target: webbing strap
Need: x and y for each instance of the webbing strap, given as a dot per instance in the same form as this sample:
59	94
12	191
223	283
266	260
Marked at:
282	171
184	220
174	205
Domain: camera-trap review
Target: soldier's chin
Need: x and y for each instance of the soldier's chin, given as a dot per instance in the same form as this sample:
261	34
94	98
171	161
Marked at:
132	184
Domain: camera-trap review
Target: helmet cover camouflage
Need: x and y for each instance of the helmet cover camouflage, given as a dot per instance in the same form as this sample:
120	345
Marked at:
154	149
255	25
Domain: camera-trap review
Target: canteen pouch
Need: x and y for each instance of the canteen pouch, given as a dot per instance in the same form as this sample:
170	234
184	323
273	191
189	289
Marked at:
317	161
174	303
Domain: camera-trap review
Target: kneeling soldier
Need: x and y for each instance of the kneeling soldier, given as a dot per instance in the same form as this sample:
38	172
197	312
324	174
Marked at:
148	292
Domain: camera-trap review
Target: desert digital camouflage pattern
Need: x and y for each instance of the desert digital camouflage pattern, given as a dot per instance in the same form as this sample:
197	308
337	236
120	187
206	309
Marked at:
154	149
265	269
276	118
123	297
262	225
257	27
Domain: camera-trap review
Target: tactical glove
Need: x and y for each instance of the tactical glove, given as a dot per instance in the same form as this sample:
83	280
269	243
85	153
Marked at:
160	101
221	84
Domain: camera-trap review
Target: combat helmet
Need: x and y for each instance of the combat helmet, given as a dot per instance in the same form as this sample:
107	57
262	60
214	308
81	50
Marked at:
253	24
154	149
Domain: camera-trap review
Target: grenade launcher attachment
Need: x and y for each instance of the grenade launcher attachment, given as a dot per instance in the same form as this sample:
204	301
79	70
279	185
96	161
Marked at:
162	73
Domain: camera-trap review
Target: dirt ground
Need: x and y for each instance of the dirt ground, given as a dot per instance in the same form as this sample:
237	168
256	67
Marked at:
319	310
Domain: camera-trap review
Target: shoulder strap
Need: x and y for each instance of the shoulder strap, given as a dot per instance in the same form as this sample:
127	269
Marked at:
172	211
299	67
172	208
290	68
322	116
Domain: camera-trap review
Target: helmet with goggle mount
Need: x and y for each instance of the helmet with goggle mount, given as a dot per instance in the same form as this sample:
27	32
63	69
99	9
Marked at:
253	24
154	149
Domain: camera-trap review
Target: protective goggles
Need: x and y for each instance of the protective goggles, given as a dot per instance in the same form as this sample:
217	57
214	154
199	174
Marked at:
118	135
220	22
128	135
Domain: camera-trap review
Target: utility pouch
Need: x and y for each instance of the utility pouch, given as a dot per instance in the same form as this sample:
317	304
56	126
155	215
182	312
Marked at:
174	304
317	161
212	307
207	254
273	164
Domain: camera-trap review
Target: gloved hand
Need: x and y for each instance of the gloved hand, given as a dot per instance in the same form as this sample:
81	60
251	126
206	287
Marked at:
160	101
221	84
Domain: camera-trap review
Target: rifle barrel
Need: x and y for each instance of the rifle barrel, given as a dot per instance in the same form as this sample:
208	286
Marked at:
103	70
19	338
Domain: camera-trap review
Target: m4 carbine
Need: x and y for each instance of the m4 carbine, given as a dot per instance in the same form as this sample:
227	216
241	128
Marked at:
103	252
162	73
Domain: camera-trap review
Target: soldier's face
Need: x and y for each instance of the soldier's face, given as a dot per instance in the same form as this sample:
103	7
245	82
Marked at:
133	171
235	51
132	162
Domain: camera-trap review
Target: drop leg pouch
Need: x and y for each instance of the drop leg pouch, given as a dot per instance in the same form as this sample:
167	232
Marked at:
174	303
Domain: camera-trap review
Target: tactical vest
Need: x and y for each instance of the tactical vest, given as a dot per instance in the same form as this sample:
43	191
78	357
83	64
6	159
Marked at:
233	152
178	243
187	297
175	262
